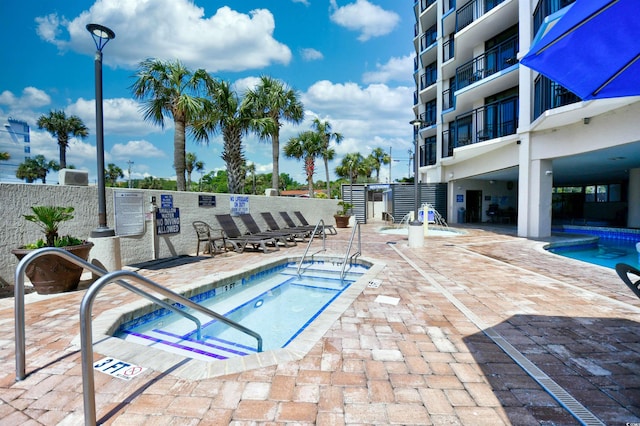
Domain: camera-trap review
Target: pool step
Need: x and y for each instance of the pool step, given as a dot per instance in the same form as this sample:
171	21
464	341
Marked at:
205	349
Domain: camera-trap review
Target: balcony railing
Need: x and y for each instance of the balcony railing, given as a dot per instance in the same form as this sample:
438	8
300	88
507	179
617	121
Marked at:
490	62
448	99
428	152
424	4
473	10
490	121
429	116
429	77
429	37
548	95
448	49
546	8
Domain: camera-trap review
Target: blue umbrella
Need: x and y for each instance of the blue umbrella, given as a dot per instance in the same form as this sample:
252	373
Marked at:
593	50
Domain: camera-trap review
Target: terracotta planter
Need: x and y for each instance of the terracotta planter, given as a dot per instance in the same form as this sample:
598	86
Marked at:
52	274
342	221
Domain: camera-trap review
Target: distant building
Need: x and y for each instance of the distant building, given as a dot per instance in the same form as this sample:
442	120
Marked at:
14	139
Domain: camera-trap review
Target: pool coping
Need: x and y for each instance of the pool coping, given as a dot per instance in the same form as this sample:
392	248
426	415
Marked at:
192	369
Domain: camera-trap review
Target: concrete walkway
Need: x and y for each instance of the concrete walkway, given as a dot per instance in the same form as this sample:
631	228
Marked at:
488	329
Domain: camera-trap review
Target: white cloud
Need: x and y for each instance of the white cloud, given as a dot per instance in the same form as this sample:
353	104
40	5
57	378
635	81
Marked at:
120	116
20	106
305	2
398	69
168	29
310	54
369	19
137	149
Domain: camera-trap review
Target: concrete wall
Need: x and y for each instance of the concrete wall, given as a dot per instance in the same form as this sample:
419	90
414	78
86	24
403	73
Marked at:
16	200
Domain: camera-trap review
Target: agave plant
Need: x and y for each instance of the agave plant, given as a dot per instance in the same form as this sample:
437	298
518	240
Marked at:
49	218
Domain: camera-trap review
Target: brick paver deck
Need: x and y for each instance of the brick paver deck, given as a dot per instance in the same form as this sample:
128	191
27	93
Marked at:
430	359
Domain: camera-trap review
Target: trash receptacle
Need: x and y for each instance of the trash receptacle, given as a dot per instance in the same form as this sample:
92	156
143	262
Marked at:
461	215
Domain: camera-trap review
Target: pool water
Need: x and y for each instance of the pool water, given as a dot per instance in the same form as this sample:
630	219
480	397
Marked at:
277	304
606	252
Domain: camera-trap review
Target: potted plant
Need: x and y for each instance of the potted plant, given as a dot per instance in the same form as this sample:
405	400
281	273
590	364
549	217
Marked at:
342	216
51	274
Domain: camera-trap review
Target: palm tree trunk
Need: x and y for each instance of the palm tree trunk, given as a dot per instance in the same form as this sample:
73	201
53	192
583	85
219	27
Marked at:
234	159
326	171
63	153
179	152
275	177
309	167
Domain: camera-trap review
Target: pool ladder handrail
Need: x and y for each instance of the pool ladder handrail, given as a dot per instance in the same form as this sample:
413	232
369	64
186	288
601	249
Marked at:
356	254
313	234
86	336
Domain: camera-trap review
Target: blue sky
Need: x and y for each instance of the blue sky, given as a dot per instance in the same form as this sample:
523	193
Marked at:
351	62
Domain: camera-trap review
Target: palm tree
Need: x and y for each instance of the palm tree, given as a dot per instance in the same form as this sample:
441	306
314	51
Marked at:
351	166
36	168
379	157
192	163
307	145
251	168
169	88
4	156
61	127
324	128
274	99
226	113
112	174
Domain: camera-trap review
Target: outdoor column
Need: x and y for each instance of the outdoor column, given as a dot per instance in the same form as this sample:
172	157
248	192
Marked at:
633	216
538	201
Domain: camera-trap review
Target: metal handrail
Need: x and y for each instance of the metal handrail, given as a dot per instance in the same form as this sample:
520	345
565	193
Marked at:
106	278
86	335
313	234
356	254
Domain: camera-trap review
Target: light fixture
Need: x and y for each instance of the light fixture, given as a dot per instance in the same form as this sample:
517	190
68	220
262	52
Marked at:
101	36
548	172
450	175
586	120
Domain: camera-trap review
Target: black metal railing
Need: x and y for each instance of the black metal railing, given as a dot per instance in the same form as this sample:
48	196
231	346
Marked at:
448	98
490	121
429	37
416	62
548	94
415	97
430	115
429	77
546	8
448	49
448	5
428	152
490	62
473	10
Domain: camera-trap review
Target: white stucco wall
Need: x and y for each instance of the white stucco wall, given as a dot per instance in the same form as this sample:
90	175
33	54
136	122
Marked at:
16	200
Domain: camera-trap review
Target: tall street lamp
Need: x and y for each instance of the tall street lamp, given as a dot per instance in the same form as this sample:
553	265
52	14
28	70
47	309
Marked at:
101	36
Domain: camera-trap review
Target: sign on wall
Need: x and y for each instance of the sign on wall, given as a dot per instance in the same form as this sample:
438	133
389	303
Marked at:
238	204
168	221
129	212
206	200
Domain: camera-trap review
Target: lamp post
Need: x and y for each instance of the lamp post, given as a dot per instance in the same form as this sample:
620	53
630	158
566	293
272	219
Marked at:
101	36
416	230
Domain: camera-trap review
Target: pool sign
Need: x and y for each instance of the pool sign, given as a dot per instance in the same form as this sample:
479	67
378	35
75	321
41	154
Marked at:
166	201
168	221
238	204
116	368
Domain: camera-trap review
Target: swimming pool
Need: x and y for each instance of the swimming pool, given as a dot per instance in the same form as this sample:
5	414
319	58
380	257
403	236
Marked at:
276	303
432	231
612	246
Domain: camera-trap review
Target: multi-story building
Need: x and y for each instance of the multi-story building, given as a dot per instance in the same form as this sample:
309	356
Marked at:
512	145
15	141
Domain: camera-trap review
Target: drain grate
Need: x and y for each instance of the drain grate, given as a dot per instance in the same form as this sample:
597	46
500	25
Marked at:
374	283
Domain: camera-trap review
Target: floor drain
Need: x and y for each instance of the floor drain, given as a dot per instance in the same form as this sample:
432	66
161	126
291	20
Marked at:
374	283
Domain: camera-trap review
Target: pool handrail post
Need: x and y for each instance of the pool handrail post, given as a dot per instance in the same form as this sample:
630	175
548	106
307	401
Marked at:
19	313
313	234
357	253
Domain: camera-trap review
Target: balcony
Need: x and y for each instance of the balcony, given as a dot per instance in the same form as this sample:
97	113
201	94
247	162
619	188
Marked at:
488	122
472	11
429	37
548	95
546	8
491	62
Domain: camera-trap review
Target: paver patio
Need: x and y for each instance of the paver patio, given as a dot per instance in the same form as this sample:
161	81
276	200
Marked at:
430	359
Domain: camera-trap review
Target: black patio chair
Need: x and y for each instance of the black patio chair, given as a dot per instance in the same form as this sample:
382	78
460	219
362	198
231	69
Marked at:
623	271
212	238
239	241
285	237
301	232
327	226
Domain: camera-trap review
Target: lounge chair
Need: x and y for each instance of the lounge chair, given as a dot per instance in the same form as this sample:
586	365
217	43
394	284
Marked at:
327	227
212	238
273	225
239	241
623	271
283	237
291	224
